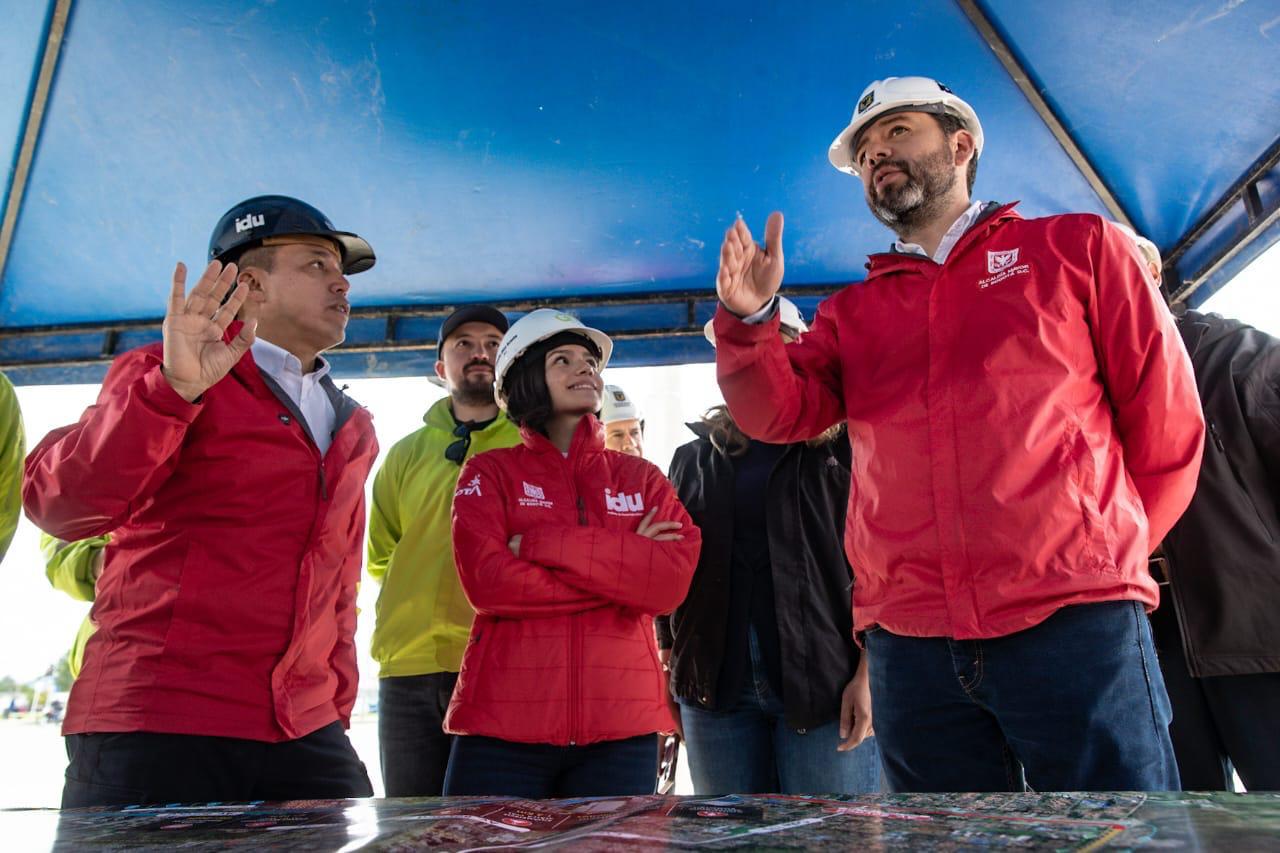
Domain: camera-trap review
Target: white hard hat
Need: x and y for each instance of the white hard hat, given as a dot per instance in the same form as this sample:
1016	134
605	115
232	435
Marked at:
617	406
900	95
538	326
1149	251
789	318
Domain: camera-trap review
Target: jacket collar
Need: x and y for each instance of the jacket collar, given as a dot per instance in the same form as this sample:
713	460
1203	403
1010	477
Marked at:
440	416
588	437
260	384
992	215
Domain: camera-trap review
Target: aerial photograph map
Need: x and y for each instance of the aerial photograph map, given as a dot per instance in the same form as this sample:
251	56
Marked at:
915	822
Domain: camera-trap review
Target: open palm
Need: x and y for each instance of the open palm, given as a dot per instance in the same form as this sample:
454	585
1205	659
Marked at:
195	354
750	275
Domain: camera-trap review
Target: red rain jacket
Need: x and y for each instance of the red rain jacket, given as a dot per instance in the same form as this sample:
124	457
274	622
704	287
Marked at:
1024	422
227	603
562	650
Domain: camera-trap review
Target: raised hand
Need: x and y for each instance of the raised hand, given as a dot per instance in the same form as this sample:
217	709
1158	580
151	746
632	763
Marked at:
749	275
195	356
658	531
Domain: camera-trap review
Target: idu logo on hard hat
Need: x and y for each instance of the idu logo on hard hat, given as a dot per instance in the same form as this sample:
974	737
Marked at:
249	221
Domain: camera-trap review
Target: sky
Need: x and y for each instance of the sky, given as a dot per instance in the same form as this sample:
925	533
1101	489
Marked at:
37	623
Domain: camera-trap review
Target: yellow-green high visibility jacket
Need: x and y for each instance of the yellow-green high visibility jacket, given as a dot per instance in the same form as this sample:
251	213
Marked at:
423	618
69	567
13	448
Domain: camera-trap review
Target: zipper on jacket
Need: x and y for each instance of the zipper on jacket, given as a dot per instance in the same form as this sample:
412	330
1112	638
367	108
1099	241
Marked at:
575	625
1217	439
324	483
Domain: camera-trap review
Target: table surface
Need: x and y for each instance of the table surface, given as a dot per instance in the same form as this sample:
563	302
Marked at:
907	822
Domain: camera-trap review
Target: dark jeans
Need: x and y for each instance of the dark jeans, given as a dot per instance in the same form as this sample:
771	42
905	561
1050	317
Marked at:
412	744
1220	721
128	768
750	749
1075	703
492	767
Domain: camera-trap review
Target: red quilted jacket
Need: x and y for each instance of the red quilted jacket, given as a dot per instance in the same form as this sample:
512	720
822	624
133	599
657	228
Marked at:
1024	423
562	650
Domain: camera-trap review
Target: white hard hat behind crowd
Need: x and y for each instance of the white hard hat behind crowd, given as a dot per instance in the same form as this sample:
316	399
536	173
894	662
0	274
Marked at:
1149	251
789	317
538	326
899	95
617	406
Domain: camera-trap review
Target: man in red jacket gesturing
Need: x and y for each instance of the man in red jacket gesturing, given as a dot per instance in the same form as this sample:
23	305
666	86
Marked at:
1025	428
230	472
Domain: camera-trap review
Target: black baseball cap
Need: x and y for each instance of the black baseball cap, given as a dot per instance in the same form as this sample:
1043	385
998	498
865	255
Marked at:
472	314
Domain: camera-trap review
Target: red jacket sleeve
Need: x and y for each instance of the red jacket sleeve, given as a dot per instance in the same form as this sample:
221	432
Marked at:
780	393
85	479
496	582
343	660
1149	381
623	567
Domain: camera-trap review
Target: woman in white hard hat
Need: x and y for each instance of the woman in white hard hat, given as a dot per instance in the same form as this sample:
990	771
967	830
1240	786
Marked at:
623	424
567	552
761	652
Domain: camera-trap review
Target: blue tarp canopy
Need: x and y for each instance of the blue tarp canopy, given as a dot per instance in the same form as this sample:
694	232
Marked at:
586	154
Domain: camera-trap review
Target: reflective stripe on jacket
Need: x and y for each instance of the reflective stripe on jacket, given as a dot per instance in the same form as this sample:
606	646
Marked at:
1023	417
226	605
562	650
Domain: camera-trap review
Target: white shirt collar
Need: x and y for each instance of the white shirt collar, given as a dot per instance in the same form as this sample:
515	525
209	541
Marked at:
279	362
957	230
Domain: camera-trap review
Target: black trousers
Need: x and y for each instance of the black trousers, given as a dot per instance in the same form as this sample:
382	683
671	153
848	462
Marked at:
1219	722
146	768
411	741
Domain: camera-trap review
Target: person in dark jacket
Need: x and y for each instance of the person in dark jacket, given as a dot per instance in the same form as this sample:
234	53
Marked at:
761	652
1216	631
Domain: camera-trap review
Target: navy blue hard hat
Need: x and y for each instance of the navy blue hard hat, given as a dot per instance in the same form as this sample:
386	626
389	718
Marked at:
251	221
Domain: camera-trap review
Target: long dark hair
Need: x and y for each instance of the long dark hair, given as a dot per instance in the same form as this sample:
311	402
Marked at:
728	439
525	386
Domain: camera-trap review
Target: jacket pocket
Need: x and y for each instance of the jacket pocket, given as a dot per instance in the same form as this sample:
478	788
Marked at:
474	660
1219	447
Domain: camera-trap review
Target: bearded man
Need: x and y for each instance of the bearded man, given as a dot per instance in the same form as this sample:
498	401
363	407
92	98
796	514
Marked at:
1025	429
423	618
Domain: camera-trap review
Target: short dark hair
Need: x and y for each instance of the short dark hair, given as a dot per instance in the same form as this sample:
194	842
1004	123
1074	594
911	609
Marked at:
260	256
950	125
525	386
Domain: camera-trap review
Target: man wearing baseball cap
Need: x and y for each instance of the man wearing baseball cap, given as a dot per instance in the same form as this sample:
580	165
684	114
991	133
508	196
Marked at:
1025	430
423	618
229	470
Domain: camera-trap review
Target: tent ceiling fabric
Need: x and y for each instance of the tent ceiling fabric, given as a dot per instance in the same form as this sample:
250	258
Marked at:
526	153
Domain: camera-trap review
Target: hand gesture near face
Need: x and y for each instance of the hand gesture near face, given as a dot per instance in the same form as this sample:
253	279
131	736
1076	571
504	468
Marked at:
749	275
195	356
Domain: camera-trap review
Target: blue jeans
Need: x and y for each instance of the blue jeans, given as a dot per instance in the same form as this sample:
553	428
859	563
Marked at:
491	767
412	744
750	749
1076	703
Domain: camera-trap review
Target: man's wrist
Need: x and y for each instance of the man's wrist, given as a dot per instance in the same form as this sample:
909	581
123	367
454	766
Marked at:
185	390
